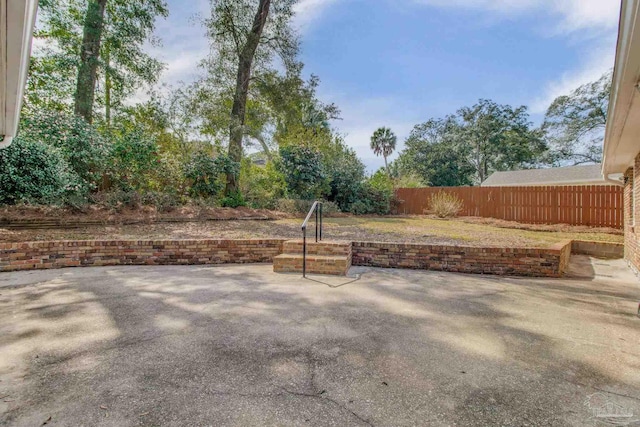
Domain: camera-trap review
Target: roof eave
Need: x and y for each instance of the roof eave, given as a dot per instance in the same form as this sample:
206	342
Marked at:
601	181
17	19
623	119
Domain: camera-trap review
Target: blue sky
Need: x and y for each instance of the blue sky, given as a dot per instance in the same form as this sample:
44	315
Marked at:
397	63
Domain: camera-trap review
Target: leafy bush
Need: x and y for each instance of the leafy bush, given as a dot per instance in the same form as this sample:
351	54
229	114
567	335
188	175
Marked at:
261	186
117	199
344	171
204	174
134	160
81	145
303	171
34	172
372	201
445	205
233	200
297	206
163	202
169	176
381	181
409	181
374	195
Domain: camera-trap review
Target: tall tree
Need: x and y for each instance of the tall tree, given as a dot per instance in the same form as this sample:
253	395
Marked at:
247	37
128	27
574	124
239	108
89	58
496	137
467	147
65	69
383	142
432	153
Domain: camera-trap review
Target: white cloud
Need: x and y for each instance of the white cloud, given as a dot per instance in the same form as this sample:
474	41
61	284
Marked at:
183	46
569	15
582	14
598	20
309	11
599	60
593	22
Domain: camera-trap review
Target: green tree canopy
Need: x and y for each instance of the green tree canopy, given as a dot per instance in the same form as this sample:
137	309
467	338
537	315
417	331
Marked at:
467	147
432	153
496	137
249	38
574	124
122	64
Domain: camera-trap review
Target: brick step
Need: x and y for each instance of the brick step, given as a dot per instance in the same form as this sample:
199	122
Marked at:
316	264
325	247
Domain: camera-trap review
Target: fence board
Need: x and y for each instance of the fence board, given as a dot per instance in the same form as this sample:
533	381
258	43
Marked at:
591	205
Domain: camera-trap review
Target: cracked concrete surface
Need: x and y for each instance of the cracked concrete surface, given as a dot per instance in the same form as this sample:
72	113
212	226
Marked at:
240	345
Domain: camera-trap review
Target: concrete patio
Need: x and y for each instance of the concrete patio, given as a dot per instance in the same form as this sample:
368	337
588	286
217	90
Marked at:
241	345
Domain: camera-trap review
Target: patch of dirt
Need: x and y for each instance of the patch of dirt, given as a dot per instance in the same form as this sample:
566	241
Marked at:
468	231
142	214
245	229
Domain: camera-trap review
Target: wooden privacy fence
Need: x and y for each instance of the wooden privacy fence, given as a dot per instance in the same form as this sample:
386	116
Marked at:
592	205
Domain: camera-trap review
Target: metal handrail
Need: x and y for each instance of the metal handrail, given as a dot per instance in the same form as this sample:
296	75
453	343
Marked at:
317	208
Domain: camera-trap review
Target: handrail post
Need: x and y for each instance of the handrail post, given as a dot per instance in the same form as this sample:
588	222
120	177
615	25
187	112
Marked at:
317	209
321	221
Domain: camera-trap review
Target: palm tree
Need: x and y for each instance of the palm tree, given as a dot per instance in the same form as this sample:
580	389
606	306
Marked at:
383	142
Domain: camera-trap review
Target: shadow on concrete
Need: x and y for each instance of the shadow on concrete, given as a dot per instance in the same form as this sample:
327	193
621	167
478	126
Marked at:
240	345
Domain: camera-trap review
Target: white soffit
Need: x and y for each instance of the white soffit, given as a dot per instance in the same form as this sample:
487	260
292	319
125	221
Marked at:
622	135
17	19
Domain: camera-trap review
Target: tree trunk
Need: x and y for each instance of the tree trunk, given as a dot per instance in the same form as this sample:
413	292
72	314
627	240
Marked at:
238	111
89	57
107	90
265	148
386	166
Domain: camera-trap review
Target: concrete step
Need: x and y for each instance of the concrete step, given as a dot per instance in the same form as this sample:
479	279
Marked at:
325	247
316	264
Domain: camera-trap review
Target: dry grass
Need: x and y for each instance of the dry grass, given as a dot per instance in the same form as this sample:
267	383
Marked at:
445	205
417	229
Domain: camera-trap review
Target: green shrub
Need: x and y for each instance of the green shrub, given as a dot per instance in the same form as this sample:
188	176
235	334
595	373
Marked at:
261	186
381	181
82	146
375	195
297	206
34	172
233	200
372	201
204	174
303	171
169	176
162	201
409	181
445	205
117	199
134	160
344	172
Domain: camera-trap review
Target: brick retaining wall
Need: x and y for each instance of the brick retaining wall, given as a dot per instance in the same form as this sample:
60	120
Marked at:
541	262
598	249
538	262
57	254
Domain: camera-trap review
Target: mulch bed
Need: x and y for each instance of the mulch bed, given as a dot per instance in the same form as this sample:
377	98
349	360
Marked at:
22	217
